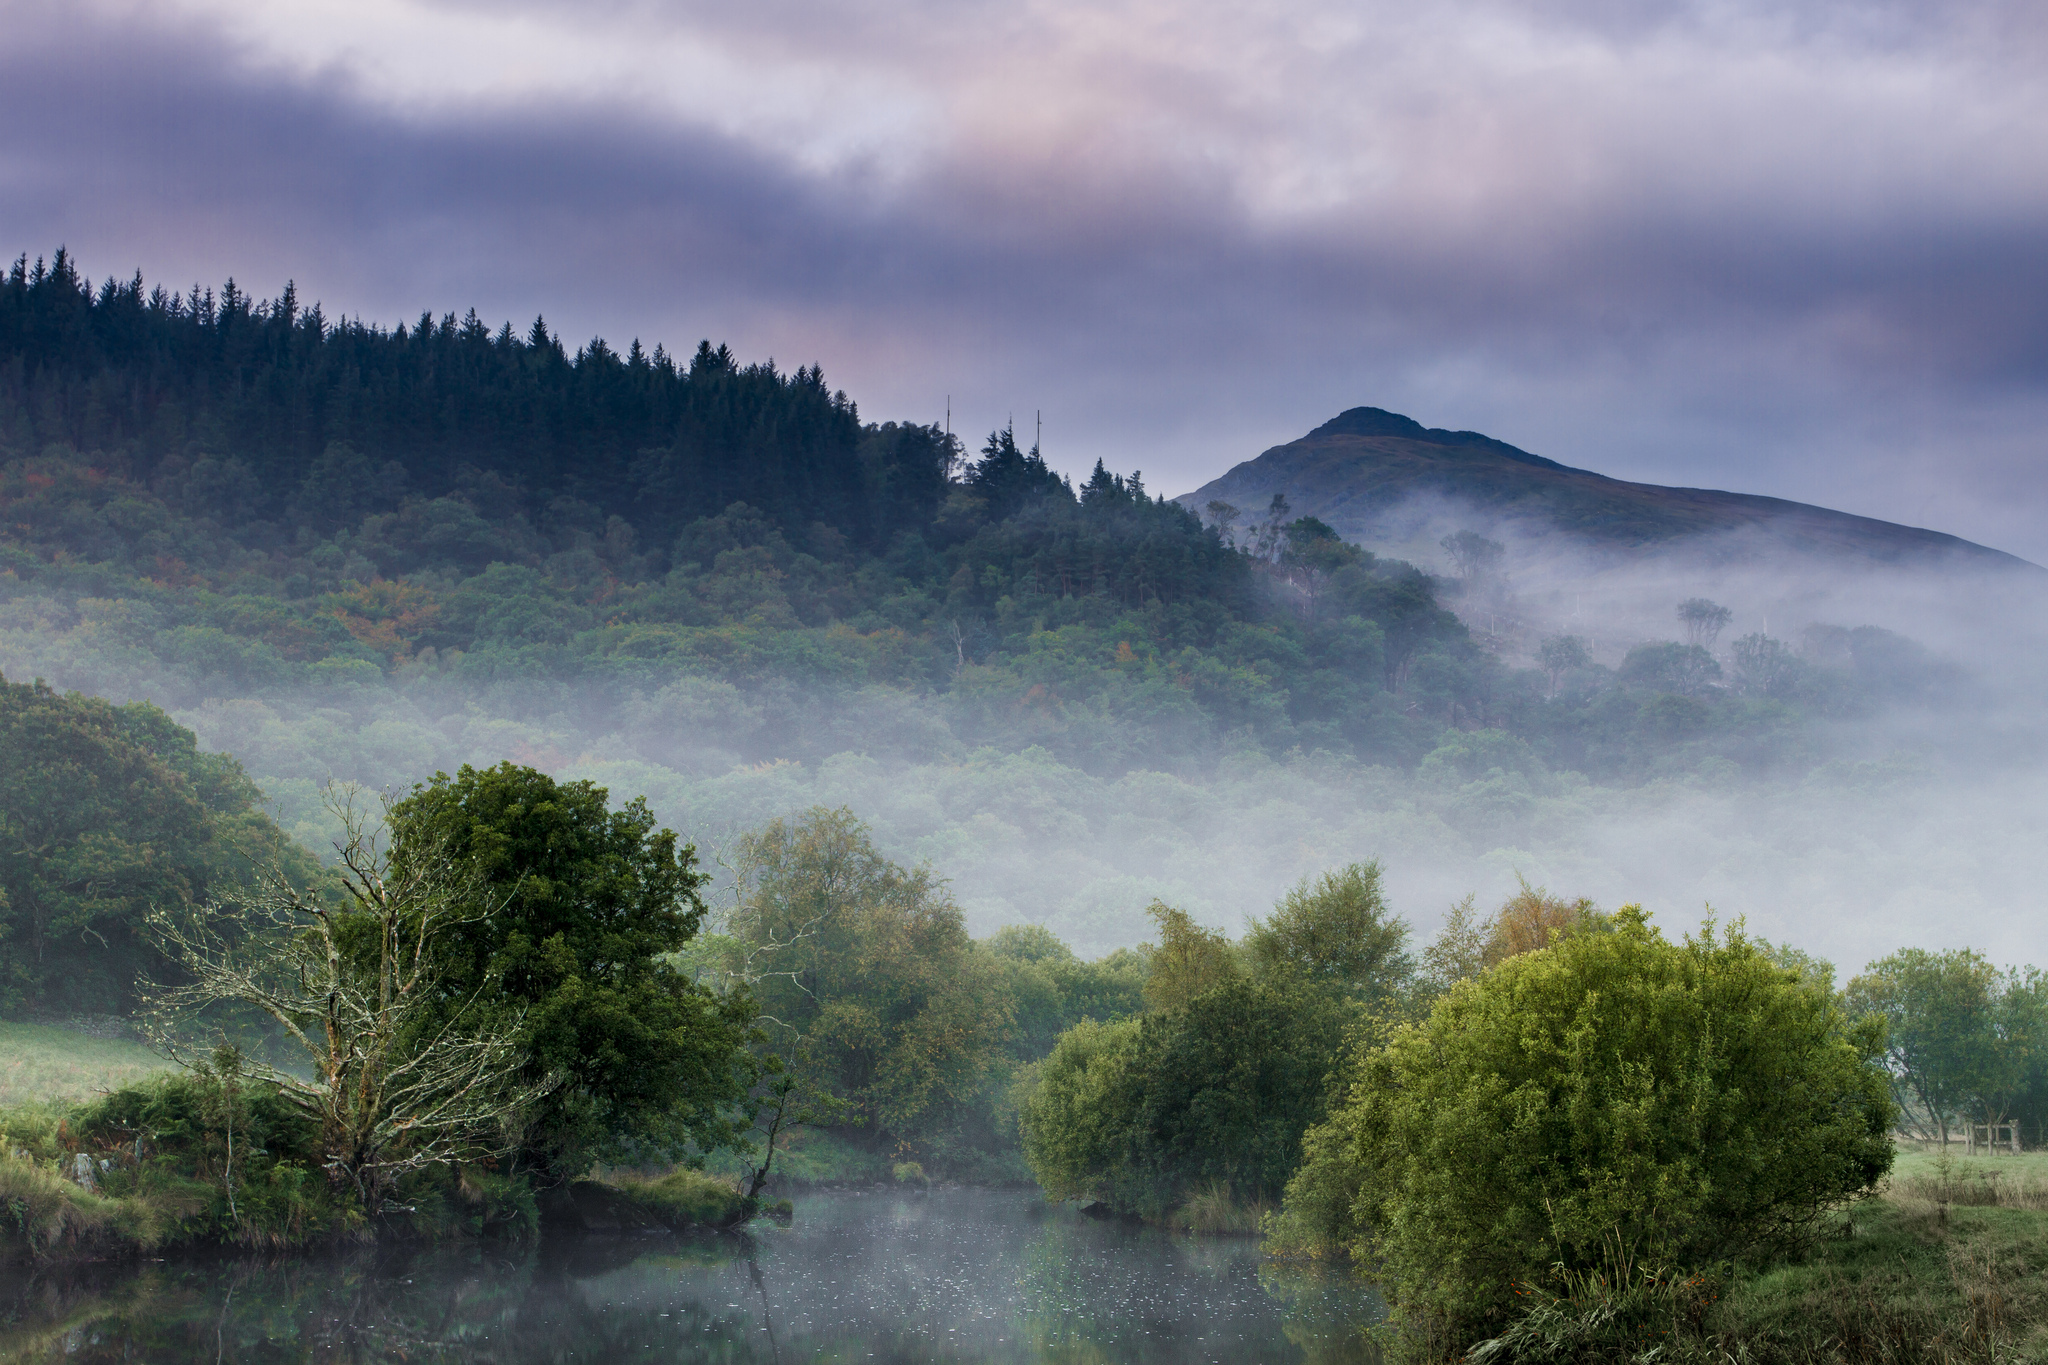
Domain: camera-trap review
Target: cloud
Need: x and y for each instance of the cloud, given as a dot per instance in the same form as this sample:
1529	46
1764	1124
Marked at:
1789	250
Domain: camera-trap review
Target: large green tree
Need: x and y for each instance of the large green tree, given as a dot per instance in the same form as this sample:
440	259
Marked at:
105	811
1610	1103
865	978
1054	990
1216	1092
1963	1039
580	910
1335	934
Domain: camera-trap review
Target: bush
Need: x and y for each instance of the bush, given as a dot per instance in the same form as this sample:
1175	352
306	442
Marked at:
1614	1105
1144	1113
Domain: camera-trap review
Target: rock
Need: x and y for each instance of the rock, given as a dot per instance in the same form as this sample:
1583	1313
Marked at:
592	1206
83	1172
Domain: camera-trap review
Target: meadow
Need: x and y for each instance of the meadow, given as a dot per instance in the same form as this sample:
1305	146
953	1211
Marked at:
1948	1264
47	1064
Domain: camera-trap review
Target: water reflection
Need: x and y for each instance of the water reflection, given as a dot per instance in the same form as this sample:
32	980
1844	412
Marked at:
980	1276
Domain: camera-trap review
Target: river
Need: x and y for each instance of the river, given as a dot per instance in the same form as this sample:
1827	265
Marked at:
856	1277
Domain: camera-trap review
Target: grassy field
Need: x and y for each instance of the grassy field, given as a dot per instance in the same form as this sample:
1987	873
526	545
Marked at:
1909	1278
40	1064
2010	1181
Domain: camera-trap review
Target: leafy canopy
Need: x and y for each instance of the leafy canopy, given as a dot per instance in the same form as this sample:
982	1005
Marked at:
104	811
1335	933
1965	1042
1143	1112
864	975
580	909
1613	1100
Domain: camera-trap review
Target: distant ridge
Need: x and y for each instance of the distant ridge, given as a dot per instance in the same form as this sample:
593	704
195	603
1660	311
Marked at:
1377	477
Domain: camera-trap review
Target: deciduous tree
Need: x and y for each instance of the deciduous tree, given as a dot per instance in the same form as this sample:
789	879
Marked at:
1613	1102
408	1068
574	913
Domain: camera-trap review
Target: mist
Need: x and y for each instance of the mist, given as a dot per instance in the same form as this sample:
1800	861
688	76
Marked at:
1914	822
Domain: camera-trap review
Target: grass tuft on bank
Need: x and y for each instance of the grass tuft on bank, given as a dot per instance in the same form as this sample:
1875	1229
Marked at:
686	1198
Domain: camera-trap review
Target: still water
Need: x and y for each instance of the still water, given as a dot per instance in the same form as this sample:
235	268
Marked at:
957	1275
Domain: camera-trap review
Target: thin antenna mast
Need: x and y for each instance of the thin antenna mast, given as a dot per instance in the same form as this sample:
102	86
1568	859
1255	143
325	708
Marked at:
1038	433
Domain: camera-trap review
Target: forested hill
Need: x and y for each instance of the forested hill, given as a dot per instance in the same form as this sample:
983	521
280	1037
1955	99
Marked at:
1382	479
269	417
205	495
335	550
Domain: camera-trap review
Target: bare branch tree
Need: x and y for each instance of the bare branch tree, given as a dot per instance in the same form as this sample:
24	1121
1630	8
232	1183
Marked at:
400	1080
1223	516
1473	556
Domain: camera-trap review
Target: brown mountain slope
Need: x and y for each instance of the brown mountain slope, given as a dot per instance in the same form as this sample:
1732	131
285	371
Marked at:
1382	479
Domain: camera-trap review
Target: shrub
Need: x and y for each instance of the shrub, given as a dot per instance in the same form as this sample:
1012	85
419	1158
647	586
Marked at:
1074	1117
1613	1105
1143	1113
237	1161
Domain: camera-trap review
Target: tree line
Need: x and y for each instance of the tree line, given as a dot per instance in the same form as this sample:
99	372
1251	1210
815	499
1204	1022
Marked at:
209	495
507	979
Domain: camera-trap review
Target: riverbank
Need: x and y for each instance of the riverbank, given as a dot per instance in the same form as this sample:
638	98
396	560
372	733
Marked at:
49	1218
157	1166
1948	1264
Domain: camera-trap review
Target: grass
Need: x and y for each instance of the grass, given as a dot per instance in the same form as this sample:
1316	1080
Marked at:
684	1198
1910	1280
42	1064
811	1157
1212	1211
43	1216
1947	1265
2011	1181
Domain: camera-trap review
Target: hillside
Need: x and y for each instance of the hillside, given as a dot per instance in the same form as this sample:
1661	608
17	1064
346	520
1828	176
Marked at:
337	551
1382	479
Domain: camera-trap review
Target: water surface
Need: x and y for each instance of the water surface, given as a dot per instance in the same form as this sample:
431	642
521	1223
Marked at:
958	1275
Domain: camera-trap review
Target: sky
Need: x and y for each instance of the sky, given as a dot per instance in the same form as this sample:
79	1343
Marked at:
1790	248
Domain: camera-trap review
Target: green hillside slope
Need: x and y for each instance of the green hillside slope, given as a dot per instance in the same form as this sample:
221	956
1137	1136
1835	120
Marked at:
1369	474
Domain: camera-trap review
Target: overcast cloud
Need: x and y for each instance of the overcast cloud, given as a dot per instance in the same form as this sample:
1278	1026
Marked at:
1793	249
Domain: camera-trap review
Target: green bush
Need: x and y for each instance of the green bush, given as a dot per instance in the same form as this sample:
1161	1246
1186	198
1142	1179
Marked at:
1216	1093
1615	1105
239	1162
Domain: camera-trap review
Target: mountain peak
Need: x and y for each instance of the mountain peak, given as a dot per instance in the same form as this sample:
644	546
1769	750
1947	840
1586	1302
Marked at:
1380	478
1371	422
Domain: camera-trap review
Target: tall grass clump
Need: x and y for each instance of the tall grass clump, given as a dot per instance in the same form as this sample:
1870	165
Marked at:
45	1216
1213	1211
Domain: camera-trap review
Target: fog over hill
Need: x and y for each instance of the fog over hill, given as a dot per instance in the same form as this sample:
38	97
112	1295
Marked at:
1606	559
340	552
1379	478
